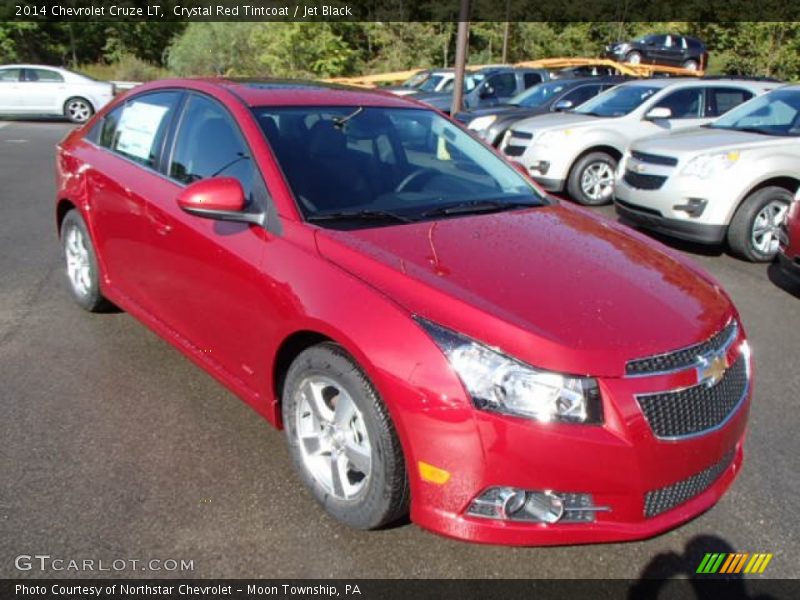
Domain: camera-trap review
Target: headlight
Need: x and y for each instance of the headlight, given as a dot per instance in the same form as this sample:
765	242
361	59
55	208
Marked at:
708	165
482	123
549	138
502	384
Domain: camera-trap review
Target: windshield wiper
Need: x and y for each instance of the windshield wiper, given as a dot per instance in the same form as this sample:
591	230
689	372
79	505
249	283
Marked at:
360	215
477	206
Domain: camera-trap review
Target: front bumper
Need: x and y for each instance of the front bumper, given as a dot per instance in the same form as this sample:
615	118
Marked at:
618	463
548	166
682	229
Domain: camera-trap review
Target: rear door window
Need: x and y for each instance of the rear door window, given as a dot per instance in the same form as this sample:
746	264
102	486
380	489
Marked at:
43	75
721	100
684	104
140	131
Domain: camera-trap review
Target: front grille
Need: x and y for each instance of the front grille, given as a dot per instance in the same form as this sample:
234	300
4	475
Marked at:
654	159
666	498
685	357
523	135
698	409
643	182
514	150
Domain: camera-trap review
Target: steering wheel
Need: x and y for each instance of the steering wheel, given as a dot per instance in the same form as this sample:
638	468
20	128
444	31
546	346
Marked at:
418	177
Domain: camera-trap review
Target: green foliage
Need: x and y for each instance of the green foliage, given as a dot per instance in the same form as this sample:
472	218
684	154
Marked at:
213	49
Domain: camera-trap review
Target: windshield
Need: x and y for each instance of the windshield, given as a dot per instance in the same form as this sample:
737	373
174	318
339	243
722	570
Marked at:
618	101
400	163
431	83
776	113
538	94
415	80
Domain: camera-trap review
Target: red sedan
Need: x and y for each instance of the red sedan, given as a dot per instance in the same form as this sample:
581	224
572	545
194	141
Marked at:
433	333
789	255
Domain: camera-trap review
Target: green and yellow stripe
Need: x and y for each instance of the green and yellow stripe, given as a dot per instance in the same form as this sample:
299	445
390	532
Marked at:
729	563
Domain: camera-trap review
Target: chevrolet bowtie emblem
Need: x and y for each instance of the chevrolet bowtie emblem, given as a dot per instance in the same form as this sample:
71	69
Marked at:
711	368
639	167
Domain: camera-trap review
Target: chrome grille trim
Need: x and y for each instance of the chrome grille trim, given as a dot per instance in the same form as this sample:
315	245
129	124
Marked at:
691	352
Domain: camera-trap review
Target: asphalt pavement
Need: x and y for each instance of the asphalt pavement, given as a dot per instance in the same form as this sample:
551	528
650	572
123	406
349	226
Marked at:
113	446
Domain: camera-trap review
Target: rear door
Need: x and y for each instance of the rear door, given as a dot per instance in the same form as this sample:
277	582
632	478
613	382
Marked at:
121	177
42	89
204	275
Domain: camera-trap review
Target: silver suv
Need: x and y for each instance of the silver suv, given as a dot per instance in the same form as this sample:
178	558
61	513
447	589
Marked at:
733	179
579	150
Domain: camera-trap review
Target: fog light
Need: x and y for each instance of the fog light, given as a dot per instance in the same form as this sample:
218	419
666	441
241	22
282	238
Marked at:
694	208
513	504
543	166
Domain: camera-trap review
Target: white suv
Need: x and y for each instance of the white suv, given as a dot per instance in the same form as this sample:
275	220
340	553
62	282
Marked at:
733	179
579	150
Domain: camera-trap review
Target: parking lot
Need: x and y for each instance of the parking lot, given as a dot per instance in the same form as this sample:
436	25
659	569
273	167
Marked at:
114	446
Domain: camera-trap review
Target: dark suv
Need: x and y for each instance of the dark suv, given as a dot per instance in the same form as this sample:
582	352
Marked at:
492	122
661	49
487	87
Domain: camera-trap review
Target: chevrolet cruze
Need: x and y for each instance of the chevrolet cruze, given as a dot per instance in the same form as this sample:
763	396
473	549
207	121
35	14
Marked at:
433	333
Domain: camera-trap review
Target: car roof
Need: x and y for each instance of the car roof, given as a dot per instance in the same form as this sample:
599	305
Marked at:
286	92
32	66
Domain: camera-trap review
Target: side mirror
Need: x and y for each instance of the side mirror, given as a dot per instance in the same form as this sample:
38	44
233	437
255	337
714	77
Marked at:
659	112
486	91
563	105
219	198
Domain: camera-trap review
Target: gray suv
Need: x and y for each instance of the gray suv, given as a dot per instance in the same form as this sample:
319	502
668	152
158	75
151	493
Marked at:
730	181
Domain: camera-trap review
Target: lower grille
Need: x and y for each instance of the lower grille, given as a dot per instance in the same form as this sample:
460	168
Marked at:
643	182
691	411
666	498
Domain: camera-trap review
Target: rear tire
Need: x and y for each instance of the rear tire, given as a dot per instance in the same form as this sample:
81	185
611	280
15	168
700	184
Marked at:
78	110
82	272
342	439
591	179
752	234
691	65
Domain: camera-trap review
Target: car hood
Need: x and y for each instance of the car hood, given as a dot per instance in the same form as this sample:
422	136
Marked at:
553	286
557	120
708	139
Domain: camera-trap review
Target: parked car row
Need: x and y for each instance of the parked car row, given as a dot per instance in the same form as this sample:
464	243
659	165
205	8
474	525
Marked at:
706	160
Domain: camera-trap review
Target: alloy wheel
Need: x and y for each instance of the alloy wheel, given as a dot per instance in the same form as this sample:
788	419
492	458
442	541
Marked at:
79	268
597	181
765	227
333	439
78	111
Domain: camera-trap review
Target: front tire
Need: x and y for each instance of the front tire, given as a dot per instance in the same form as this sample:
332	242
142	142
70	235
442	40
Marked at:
342	440
753	232
591	180
634	58
81	261
78	110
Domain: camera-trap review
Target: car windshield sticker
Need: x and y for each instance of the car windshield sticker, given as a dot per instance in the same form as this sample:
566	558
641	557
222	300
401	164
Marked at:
137	128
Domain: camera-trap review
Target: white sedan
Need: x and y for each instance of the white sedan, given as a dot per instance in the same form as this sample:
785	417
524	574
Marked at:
43	90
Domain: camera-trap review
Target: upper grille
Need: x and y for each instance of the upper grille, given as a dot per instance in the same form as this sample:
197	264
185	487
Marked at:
683	358
654	159
643	182
514	150
698	409
663	499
